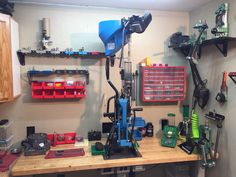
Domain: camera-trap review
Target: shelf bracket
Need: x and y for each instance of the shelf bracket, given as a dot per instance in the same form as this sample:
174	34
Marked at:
223	48
21	57
232	75
184	51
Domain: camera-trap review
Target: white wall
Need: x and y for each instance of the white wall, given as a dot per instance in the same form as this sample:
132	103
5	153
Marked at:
77	27
211	66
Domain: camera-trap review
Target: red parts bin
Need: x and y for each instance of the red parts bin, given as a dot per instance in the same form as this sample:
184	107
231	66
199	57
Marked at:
70	84
59	85
60	93
37	85
48	85
37	94
49	94
68	138
70	93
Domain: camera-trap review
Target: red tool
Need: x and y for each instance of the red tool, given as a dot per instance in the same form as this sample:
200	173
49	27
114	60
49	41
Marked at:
7	160
221	97
65	153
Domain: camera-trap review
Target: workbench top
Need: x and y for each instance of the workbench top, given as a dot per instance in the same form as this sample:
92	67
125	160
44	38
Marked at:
151	150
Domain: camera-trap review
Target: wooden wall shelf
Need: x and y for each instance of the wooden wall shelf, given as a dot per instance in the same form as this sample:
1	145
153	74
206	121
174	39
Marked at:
61	54
221	43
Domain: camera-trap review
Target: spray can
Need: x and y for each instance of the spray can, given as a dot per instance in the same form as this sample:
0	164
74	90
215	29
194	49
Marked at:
149	129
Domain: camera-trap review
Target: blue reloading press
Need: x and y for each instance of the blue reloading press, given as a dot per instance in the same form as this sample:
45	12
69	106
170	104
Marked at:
115	34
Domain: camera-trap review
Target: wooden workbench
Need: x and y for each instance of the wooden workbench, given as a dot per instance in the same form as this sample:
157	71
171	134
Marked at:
150	149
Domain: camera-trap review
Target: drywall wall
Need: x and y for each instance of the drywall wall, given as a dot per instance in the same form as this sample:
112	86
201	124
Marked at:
77	27
211	66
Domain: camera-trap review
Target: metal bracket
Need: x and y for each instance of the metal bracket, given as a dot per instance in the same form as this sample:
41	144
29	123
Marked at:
232	75
32	73
223	48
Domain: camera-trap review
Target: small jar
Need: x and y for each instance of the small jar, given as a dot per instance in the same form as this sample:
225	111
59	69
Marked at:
149	129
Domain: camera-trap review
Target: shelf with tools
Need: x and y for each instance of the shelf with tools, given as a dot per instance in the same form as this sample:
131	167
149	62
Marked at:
52	89
56	53
220	42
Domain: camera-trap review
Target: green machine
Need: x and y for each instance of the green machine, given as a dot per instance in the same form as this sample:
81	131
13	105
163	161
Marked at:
170	132
205	146
222	27
170	135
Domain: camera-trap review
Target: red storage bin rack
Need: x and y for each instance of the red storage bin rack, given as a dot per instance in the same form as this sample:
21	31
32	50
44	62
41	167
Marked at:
49	90
163	83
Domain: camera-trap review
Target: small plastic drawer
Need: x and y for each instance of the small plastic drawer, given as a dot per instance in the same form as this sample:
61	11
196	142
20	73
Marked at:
59	85
6	131
70	84
37	85
6	144
49	93
48	85
37	94
70	93
59	93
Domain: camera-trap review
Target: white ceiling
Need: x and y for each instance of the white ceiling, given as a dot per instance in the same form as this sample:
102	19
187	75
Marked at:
167	5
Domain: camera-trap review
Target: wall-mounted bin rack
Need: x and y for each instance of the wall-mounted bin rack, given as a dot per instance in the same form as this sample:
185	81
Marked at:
61	54
221	43
54	90
163	83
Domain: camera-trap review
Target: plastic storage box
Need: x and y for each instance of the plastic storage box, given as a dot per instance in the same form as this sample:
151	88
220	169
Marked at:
163	83
55	90
5	131
6	144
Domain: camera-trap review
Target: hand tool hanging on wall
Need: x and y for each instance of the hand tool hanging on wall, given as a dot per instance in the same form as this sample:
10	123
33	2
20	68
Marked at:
201	93
46	33
221	97
205	145
202	140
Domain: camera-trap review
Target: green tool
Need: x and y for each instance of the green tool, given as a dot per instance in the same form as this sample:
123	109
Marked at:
169	138
195	125
94	151
205	146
